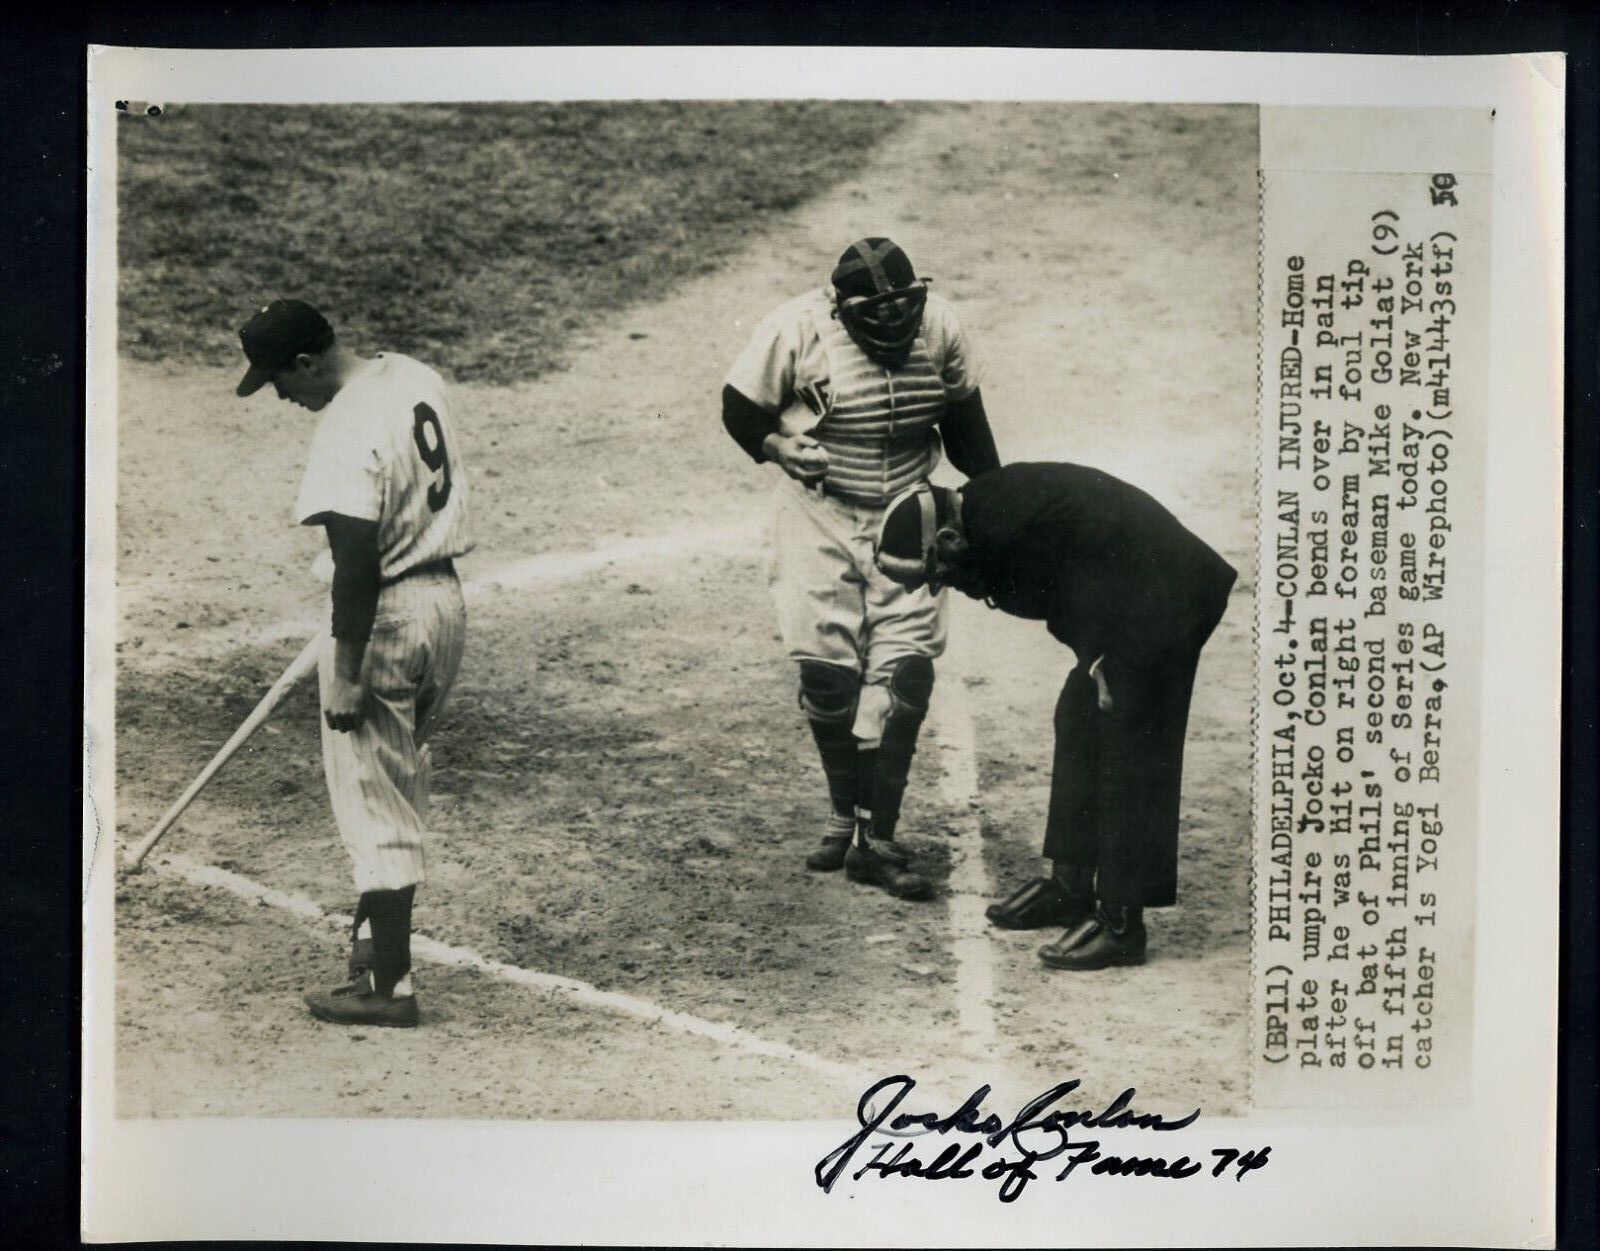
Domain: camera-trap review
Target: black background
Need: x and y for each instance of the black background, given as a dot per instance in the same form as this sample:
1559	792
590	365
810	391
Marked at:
42	207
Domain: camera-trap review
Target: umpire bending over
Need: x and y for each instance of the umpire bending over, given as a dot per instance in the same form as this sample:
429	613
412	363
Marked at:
1119	580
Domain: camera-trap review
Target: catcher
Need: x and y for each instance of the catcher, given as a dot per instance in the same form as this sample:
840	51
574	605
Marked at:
853	390
1135	595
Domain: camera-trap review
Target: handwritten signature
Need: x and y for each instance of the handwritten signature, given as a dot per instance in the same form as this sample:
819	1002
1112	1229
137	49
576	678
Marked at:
1006	1150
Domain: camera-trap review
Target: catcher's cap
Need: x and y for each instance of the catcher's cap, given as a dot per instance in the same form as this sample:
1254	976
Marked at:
905	547
873	266
276	335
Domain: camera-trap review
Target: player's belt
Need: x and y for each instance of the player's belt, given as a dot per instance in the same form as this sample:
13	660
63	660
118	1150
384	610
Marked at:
446	565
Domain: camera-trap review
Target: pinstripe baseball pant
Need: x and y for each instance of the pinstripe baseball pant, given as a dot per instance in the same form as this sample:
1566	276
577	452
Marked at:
378	773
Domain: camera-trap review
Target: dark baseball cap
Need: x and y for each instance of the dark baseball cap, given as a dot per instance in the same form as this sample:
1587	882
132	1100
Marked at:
276	335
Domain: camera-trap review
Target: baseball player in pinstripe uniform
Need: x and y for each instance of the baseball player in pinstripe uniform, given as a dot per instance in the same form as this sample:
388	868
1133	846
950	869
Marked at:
386	481
849	390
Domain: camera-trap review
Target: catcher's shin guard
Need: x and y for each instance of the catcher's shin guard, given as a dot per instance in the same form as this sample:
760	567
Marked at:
828	695
910	689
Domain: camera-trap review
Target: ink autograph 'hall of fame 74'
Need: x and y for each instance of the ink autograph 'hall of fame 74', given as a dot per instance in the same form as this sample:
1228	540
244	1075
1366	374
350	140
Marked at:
983	1144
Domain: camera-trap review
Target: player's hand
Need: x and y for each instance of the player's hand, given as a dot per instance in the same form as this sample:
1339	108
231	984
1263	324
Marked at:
343	703
802	457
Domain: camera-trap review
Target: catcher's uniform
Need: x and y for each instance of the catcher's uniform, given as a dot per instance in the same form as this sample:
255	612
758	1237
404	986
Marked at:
385	451
879	427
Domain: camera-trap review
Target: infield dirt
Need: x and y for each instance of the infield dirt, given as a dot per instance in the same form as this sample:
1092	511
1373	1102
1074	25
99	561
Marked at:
624	788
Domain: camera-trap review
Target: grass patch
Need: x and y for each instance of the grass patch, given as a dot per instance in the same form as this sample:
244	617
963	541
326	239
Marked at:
477	237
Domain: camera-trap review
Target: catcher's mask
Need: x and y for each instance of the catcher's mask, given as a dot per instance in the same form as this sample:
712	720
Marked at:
879	299
906	547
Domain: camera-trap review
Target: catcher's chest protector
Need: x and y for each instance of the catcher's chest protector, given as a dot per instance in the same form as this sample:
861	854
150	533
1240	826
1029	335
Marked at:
878	423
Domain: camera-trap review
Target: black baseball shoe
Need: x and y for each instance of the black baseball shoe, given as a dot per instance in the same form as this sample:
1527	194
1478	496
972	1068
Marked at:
358	1003
880	862
829	854
1098	943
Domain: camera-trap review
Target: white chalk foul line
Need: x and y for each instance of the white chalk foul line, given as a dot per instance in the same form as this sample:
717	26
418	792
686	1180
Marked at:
951	715
436	952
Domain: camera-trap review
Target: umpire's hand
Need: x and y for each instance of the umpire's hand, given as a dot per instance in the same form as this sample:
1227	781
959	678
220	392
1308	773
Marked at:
802	457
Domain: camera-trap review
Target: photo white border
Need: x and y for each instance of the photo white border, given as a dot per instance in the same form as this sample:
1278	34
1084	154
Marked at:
1483	1175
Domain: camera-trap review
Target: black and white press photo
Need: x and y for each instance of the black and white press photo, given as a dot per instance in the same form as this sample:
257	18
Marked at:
927	649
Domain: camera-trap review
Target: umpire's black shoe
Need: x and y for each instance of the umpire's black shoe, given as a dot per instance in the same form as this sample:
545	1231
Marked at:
1072	936
358	1003
879	862
1039	904
830	853
1097	945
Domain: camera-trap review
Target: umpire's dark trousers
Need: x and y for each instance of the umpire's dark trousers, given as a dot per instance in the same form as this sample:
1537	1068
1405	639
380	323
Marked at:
1117	776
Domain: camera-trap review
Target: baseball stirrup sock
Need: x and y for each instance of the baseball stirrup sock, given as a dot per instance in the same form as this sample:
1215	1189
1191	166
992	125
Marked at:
866	767
390	914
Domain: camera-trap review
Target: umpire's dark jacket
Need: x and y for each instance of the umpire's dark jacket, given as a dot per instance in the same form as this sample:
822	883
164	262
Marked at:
1118	579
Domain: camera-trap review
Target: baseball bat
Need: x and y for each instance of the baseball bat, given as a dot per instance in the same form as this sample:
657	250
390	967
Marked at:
301	665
